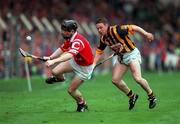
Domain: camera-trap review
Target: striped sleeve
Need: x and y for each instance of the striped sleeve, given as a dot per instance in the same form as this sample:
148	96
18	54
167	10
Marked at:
101	47
128	28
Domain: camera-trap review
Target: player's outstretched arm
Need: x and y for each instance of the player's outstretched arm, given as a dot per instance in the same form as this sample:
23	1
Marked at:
148	35
54	55
66	56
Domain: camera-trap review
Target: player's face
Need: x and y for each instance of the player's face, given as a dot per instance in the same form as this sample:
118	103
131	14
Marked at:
66	34
102	28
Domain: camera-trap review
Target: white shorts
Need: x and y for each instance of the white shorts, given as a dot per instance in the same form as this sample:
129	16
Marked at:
84	72
129	57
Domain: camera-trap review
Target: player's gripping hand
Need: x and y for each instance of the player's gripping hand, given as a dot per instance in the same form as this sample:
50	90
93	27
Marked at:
46	58
149	36
49	63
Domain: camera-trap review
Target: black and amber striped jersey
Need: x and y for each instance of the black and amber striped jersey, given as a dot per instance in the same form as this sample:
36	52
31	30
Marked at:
117	36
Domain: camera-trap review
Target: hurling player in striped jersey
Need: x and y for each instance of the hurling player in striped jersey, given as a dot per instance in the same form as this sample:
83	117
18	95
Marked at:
129	57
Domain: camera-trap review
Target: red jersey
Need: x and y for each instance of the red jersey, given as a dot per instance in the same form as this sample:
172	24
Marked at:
80	48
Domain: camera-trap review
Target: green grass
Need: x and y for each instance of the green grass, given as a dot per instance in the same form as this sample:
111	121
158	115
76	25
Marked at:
51	104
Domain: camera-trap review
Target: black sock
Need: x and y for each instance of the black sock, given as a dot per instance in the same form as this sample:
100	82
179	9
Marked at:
130	94
151	95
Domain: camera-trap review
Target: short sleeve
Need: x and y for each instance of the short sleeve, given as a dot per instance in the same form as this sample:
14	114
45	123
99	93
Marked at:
128	28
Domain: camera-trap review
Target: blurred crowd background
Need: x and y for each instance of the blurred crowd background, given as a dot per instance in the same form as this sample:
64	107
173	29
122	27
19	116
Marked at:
41	20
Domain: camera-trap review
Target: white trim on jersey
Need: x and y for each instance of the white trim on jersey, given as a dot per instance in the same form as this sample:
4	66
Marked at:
74	35
80	41
72	39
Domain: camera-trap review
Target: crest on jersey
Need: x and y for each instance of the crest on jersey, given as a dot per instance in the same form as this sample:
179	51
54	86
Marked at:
76	45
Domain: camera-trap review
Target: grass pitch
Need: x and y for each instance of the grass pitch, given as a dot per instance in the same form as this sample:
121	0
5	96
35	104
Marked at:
51	104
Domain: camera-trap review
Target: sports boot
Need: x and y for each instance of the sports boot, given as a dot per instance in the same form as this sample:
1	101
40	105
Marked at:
53	79
152	102
132	101
82	107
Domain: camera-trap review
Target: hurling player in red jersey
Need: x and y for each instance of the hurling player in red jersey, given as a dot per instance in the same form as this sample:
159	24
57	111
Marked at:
74	55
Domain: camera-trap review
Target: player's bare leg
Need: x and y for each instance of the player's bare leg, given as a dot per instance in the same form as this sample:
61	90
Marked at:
76	94
136	72
117	74
118	71
58	71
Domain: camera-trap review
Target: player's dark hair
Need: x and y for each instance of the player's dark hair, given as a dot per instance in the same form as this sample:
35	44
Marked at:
102	20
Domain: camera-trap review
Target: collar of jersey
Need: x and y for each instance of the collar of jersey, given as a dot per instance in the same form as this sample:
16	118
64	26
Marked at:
74	35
